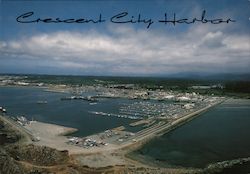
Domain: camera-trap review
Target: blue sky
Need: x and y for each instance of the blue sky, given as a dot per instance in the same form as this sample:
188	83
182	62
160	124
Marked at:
125	49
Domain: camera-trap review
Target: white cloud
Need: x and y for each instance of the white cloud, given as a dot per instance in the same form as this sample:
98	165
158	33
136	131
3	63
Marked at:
128	51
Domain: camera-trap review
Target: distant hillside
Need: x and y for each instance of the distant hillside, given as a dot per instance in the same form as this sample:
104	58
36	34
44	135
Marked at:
231	83
225	76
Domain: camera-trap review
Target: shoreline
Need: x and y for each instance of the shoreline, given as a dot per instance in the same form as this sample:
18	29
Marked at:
223	164
26	137
62	131
144	138
54	136
168	128
115	156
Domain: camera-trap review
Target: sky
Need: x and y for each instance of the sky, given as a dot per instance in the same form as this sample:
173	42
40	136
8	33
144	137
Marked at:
124	49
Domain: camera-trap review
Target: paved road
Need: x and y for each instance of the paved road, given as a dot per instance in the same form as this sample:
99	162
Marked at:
27	135
164	127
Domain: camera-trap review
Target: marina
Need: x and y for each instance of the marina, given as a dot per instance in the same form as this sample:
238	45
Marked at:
212	137
151	116
102	120
111	96
23	101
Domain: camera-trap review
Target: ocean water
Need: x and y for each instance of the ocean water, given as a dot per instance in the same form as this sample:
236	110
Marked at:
222	133
217	135
71	113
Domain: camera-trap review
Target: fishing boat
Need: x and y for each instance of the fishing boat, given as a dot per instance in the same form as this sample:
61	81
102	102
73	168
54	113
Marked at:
41	102
3	110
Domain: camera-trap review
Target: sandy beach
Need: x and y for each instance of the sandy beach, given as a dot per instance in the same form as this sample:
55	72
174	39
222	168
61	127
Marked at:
53	136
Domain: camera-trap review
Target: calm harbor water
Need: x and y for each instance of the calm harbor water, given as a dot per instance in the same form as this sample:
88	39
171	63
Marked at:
71	113
217	135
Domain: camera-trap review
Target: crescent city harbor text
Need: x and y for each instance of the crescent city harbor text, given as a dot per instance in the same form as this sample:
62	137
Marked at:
123	18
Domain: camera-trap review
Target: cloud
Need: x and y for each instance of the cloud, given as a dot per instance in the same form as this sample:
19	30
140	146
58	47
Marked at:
126	51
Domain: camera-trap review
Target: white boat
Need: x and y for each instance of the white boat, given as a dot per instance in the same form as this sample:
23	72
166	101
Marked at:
41	102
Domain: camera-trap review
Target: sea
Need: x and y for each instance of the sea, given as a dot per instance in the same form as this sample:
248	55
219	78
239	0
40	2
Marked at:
222	133
23	101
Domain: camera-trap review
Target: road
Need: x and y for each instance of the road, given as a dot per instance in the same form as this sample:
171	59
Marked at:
14	125
163	127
